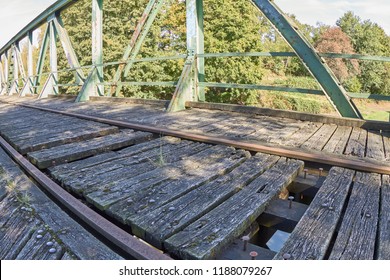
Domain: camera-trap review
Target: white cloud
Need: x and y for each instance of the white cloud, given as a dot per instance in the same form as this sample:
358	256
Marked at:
328	11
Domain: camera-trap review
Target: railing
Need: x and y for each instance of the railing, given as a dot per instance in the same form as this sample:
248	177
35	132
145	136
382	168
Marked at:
191	84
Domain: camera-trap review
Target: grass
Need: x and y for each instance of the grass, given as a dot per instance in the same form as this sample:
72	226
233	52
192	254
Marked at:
373	110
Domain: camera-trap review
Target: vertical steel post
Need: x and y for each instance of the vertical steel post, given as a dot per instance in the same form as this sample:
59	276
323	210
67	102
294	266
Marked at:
2	79
91	85
53	57
15	72
27	88
41	58
200	49
97	44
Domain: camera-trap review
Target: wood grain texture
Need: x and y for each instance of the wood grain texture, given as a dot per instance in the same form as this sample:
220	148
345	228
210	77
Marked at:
205	238
375	147
383	245
302	135
157	225
338	141
320	138
79	150
356	145
357	234
312	235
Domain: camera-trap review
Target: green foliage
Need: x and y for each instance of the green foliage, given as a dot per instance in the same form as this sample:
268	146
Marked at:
369	38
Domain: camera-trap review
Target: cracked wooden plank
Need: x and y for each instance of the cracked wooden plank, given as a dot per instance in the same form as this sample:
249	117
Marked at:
319	139
79	150
312	236
357	143
205	238
186	176
375	147
357	234
157	225
338	141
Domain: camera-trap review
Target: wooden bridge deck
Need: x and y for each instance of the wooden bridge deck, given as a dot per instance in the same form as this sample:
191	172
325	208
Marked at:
194	199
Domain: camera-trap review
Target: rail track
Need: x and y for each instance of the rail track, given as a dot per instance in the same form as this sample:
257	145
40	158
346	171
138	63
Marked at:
188	218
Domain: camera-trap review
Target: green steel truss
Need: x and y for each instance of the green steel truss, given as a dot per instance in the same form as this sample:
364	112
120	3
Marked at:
192	82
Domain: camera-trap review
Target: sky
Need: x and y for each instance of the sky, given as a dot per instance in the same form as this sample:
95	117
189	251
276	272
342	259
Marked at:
16	14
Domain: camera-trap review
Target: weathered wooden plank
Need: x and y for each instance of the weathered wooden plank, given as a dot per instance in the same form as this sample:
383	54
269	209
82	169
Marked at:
357	143
14	234
68	257
320	138
375	147
302	135
205	238
79	150
82	243
386	143
111	173
313	233
64	138
65	170
357	234
38	249
166	182
157	225
383	245
338	141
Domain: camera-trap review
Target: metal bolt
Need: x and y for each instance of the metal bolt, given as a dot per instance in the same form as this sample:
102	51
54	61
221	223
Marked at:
320	171
152	201
305	173
52	250
39	236
368	215
40	231
331	208
286	256
172	208
290	198
253	255
245	239
49	243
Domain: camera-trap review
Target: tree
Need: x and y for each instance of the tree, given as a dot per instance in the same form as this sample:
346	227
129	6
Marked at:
370	39
334	40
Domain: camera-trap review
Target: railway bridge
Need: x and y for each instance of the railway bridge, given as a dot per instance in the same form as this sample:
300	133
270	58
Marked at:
99	176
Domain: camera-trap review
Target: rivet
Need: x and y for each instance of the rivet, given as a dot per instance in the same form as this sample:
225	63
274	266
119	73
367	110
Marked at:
290	198
253	255
368	215
152	201
39	236
245	239
324	205
52	250
286	256
171	208
331	208
49	243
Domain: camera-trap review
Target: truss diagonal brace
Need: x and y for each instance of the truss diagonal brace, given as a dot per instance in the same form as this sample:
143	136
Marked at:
68	49
139	35
318	68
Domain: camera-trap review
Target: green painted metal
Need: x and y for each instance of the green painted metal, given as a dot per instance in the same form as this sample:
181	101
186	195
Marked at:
248	54
138	37
15	72
27	88
334	91
5	73
42	56
184	90
200	49
92	84
47	88
356	56
262	87
369	96
68	49
53	57
20	61
88	86
161	84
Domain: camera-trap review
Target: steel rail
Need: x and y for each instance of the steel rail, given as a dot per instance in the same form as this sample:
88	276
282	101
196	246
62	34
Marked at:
316	157
110	231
